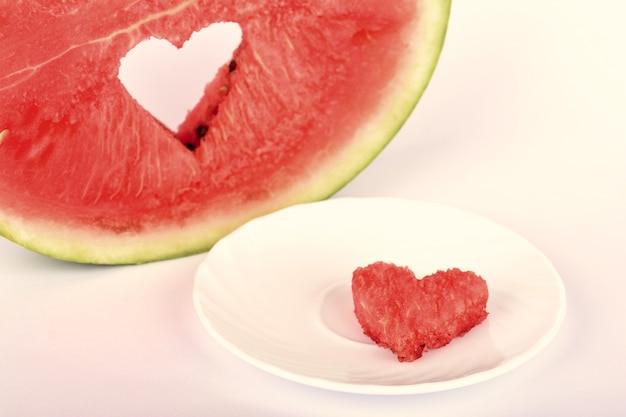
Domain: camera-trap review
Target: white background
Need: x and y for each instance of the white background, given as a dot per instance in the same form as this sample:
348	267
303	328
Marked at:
524	122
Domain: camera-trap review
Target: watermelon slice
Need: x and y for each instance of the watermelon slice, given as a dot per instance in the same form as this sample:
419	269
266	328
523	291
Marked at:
312	94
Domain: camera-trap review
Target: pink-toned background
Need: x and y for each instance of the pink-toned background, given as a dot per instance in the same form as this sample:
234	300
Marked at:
524	122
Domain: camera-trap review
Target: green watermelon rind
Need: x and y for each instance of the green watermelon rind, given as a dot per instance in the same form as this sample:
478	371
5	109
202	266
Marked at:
77	244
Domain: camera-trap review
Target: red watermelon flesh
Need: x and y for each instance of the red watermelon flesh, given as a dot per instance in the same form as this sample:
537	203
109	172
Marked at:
409	315
314	91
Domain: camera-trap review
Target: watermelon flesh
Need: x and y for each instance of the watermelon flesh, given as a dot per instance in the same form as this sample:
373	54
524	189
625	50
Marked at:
311	95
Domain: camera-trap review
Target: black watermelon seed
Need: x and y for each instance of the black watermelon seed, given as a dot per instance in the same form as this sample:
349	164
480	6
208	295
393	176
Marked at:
232	66
201	131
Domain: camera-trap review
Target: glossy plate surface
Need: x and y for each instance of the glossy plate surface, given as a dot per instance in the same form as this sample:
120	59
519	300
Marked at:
276	292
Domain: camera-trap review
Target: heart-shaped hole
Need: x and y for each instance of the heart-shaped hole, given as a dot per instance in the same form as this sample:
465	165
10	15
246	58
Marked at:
168	81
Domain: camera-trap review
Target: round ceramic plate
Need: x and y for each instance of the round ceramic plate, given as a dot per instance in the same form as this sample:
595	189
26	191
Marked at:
276	292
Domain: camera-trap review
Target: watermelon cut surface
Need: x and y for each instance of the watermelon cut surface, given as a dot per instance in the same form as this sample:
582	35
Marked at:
313	93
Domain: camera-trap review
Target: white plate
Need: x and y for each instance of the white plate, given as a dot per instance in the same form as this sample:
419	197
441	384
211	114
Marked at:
276	292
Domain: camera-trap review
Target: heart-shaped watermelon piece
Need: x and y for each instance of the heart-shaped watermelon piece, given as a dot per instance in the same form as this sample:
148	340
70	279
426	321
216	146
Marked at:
409	315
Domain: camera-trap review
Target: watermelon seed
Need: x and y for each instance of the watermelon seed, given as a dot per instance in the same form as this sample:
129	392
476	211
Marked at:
232	66
201	131
190	146
3	135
